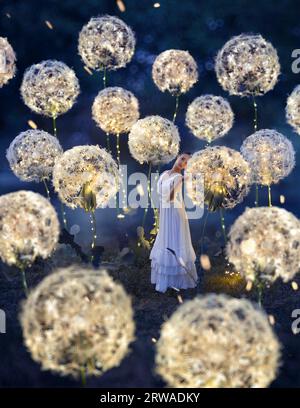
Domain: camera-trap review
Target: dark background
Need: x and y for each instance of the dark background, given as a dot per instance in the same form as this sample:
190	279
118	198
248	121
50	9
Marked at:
201	27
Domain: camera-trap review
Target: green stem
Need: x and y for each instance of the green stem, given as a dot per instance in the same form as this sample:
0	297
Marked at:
63	214
203	231
255	113
269	196
104	78
24	281
94	233
54	126
176	108
256	195
83	377
223	225
46	188
260	289
107	142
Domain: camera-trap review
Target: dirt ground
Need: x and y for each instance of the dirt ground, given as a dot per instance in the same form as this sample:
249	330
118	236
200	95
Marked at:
151	309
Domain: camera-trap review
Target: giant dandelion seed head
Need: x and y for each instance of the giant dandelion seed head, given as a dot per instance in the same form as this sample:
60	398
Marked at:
215	341
270	155
85	169
50	88
247	65
115	110
106	42
209	117
7	62
293	109
78	320
154	140
29	228
226	176
174	71
264	244
32	154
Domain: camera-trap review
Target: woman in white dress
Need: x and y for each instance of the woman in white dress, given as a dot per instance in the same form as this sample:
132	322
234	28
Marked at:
173	256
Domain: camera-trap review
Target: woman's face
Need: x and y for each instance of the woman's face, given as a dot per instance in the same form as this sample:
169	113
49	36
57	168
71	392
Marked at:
182	160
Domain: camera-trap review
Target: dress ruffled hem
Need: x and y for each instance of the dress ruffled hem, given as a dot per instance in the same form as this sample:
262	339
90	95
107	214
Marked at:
164	277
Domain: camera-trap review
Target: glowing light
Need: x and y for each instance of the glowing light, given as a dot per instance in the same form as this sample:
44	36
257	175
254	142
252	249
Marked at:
215	341
32	124
49	24
209	117
154	140
115	110
205	262
274	234
7	62
50	88
295	285
247	65
86	176
29	228
32	154
223	186
78	321
270	155
174	71
293	109
106	42
121	6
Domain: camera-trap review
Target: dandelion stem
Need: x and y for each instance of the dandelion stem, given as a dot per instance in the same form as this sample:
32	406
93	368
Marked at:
83	377
223	224
260	289
63	214
269	196
94	233
176	108
54	126
107	142
255	113
104	78
46	188
256	195
203	231
24	281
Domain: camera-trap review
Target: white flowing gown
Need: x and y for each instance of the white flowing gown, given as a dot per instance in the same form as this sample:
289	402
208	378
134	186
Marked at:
168	270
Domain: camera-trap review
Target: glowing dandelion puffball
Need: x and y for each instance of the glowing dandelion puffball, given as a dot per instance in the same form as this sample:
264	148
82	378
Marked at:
29	228
154	140
270	155
7	62
50	88
209	117
32	155
247	65
106	43
174	71
85	167
115	110
264	243
78	320
226	176
215	341
293	109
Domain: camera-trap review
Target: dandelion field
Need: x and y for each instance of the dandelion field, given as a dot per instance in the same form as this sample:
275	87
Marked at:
121	89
